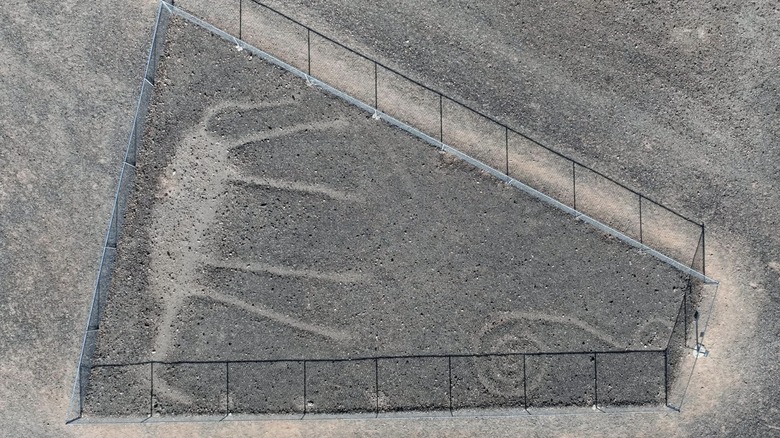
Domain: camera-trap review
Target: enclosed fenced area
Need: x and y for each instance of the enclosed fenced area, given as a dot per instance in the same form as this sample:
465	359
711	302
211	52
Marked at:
510	383
336	271
448	121
452	385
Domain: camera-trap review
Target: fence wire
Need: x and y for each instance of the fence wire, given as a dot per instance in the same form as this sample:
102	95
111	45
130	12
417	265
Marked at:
374	386
383	385
124	186
453	123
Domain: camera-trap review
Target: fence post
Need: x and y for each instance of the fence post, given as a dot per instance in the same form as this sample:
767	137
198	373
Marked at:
80	376
506	146
641	236
574	183
376	87
525	384
376	384
685	312
99	291
449	374
113	228
305	402
666	376
595	380
703	251
151	389
308	48
441	120
227	388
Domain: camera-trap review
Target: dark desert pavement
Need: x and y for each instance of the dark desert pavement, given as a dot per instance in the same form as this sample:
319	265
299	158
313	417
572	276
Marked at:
72	73
272	221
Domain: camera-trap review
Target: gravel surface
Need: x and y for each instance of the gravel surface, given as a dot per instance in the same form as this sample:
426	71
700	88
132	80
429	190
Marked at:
693	125
274	222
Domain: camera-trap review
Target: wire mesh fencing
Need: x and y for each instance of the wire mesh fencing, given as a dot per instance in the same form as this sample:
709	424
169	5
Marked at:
448	385
686	341
284	38
384	385
124	187
465	129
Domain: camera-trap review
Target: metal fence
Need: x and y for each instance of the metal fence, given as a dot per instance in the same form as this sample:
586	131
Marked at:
124	186
389	385
685	345
448	384
451	122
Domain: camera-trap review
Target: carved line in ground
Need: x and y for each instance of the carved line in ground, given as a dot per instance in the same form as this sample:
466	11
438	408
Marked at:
139	109
337	277
297	186
441	95
241	45
171	308
293	130
199	198
444	147
386	117
155	389
497	382
378	114
336	335
387	415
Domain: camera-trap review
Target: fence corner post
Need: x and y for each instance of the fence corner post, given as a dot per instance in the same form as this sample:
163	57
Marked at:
703	251
666	376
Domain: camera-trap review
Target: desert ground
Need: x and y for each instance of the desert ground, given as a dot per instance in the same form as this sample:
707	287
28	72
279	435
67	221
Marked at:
674	99
274	222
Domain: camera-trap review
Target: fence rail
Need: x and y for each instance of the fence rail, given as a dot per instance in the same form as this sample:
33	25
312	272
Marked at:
124	185
449	120
437	384
489	141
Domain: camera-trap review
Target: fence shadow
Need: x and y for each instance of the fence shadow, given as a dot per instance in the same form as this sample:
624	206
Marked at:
373	386
451	122
377	386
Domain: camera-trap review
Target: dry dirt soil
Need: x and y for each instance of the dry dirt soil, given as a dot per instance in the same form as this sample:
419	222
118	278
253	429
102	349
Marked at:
272	221
677	99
